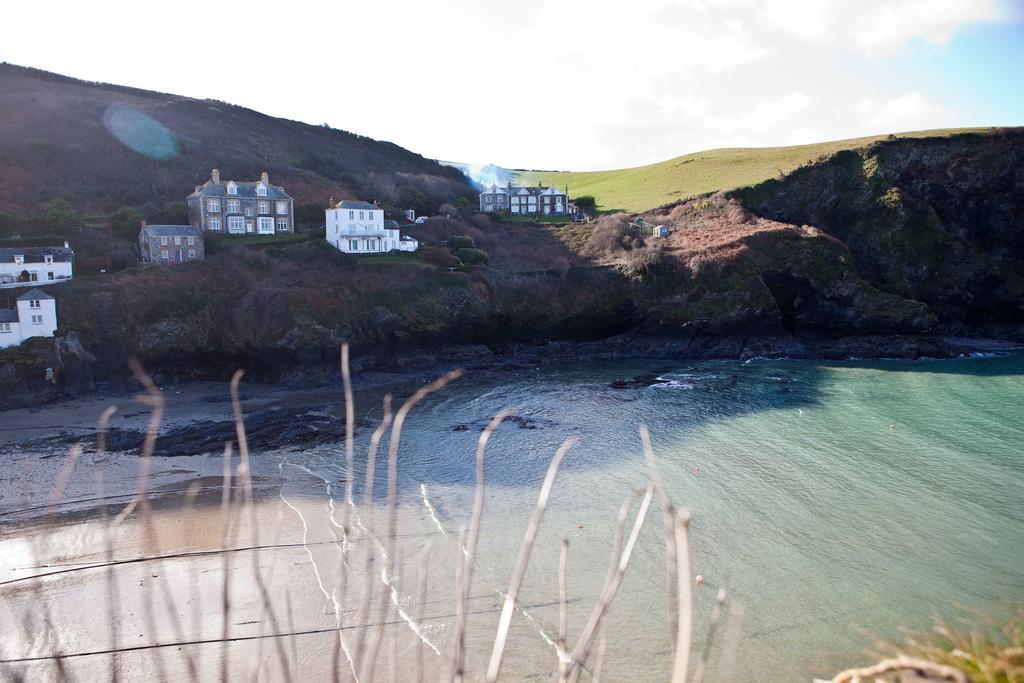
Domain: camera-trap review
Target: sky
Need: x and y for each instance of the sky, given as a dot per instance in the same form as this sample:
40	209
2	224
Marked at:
556	84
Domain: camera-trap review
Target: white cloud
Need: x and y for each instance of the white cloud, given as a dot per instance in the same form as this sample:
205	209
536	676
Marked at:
536	83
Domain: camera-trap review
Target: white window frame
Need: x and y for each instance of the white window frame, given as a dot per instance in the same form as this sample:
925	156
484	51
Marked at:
213	224
282	225
236	225
177	240
5	327
282	208
261	190
48	260
213	206
19	260
191	241
353	245
351	215
265	225
37	320
232	188
263	208
191	253
234	206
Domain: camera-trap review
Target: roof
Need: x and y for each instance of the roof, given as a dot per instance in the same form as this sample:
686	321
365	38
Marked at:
522	190
246	190
353	204
35	254
8	315
390	224
34	293
172	231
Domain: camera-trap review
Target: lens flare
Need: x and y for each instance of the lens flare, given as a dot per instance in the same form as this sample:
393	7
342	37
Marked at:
140	132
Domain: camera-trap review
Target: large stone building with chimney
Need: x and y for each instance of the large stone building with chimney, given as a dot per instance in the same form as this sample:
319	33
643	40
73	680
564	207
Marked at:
239	207
519	199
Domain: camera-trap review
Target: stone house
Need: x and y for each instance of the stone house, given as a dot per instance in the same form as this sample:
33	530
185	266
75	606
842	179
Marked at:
520	199
237	207
171	243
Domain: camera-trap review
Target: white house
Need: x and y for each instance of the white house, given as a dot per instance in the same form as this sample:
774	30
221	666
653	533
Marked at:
35	316
359	228
20	266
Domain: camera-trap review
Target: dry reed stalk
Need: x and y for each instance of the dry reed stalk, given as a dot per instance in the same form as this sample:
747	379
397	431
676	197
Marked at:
350	425
668	515
245	473
225	587
902	663
421	606
563	608
602	649
371	550
583	645
494	666
462	596
113	602
730	642
681	658
716	612
155	400
368	662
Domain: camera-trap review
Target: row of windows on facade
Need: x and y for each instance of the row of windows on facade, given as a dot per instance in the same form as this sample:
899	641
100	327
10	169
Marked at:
20	260
234	206
238	224
515	200
33	275
164	241
6	327
165	254
352	215
261	190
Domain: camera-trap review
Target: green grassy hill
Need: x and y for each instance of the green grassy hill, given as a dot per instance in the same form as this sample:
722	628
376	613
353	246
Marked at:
646	187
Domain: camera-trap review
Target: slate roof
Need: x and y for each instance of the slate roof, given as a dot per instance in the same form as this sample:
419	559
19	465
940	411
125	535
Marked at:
521	190
246	190
353	204
36	254
8	315
35	293
390	225
172	231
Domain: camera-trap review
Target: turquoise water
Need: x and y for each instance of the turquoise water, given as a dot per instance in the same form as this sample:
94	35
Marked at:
836	502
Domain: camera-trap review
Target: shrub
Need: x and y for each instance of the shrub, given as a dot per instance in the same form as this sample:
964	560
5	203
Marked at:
472	257
126	222
439	257
611	236
586	202
59	214
461	242
481	220
447	209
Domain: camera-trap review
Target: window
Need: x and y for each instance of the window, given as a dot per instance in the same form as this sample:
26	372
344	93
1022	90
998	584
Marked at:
263	207
191	253
261	190
249	211
33	276
265	226
37	320
361	215
282	225
163	254
191	241
236	225
48	260
232	188
19	260
163	241
234	206
5	327
282	208
213	205
213	224
351	215
177	241
49	275
353	245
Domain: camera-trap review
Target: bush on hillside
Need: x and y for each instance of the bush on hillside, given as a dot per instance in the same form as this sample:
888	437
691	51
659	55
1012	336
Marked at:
440	257
611	236
59	215
480	220
126	222
586	202
447	209
461	242
471	257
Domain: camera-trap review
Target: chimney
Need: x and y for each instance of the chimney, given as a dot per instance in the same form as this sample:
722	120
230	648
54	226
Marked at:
68	246
215	176
199	188
142	225
265	178
330	202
